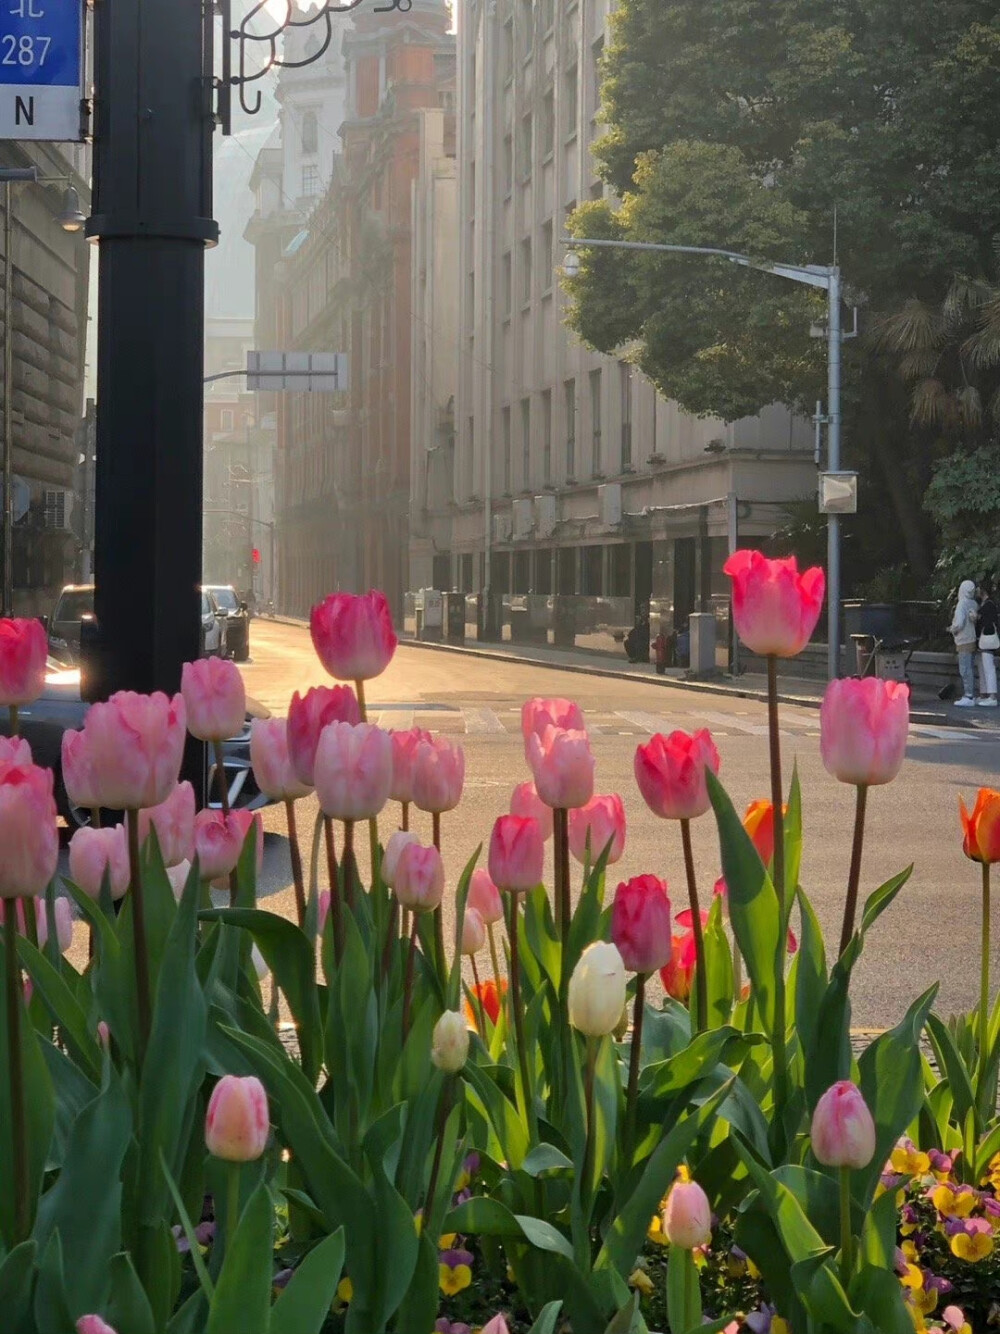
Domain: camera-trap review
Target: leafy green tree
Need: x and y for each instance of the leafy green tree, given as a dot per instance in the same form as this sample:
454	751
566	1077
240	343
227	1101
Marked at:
752	125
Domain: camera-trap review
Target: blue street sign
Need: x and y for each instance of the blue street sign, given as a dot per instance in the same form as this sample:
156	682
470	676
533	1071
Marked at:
41	69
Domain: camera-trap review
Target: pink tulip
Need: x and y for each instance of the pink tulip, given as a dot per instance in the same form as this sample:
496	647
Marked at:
538	714
93	1324
237	1121
473	931
517	854
526	802
863	730
670	771
603	819
178	877
641	925
78	774
393	851
24	648
563	767
404	756
29	839
272	764
135	744
173	821
215	698
103	1034
15	750
485	897
94	851
420	878
687	1218
64	923
353	770
322	910
438	775
217	844
353	635
495	1326
308	715
842	1131
241	820
774	607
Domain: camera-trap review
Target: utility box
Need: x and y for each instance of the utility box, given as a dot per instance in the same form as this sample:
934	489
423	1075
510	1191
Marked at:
454	612
701	626
429	608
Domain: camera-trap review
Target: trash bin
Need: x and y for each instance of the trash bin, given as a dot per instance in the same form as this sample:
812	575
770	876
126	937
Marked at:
563	621
864	647
430	614
489	616
454	611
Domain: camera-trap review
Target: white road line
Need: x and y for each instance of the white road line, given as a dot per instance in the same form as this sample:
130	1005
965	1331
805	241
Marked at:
482	720
649	722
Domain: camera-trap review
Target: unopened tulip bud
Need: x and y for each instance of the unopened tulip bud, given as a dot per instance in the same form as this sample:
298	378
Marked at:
393	851
23	652
103	1034
495	1326
687	1218
597	990
237	1121
353	635
63	912
93	1324
517	854
420	878
473	931
485	897
775	609
215	698
450	1043
843	1132
92	852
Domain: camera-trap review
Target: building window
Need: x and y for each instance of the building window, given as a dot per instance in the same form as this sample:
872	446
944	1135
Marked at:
226	420
571	90
547	131
508	163
594	97
547	257
526	270
310	132
505	449
595	423
310	180
547	437
569	389
506	284
526	443
625	372
525	146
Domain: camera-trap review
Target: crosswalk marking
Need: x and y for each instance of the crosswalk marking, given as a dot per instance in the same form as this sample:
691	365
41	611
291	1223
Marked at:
648	722
482	720
396	720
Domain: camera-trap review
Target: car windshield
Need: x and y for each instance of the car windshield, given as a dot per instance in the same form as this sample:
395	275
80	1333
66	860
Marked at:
74	606
226	598
206	606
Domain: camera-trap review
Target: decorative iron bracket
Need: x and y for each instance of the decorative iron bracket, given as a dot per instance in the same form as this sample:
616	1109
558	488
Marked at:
266	42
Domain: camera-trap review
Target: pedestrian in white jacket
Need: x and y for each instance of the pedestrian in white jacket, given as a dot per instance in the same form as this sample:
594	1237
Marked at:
963	631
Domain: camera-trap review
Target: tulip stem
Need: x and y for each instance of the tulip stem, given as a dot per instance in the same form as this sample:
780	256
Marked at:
296	856
560	826
411	959
634	1062
701	976
19	1142
588	1101
348	863
846	1235
514	993
778	1040
359	690
854	877
15	720
138	935
442	964
494	956
444	1110
336	917
232	1203
404	819
479	998
95	817
220	774
391	936
984	979
436	829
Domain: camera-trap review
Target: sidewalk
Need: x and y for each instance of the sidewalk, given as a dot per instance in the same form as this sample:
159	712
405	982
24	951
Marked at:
925	708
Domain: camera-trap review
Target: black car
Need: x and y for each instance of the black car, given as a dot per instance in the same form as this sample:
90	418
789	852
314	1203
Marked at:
76	604
237	615
60	709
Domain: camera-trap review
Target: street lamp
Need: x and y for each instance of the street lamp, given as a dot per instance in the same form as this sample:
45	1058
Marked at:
824	276
71	219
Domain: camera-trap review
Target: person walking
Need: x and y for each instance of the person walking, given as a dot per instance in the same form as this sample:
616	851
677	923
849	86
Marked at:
989	642
963	631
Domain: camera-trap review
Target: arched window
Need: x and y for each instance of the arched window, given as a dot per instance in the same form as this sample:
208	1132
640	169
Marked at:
310	132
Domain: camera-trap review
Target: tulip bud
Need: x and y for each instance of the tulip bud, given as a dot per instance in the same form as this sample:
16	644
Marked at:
526	802
272	764
450	1043
63	912
640	924
173	821
217	843
134	747
237	1121
393	852
94	851
103	1034
28	834
863	730
485	897
495	1326
843	1132
539	714
473	931
517	854
322	911
353	635
438	775
775	609
353	770
23	652
602	820
981	827
308	714
670	772
687	1218
420	878
404	756
563	767
597	990
215	698
93	1324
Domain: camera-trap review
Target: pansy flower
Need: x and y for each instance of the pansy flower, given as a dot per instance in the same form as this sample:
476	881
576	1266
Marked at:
953	1202
974	1242
454	1271
907	1159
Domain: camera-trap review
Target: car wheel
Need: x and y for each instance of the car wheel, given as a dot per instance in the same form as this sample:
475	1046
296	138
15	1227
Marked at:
242	654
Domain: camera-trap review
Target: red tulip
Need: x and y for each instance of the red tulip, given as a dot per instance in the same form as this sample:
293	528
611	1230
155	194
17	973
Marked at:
526	802
404	759
563	767
272	765
217	844
420	878
640	924
774	607
670	771
538	714
982	827
135	744
353	635
353	771
678	974
94	851
173	821
842	1131
517	854
237	1121
863	730
23	652
28	836
438	775
603	819
215	698
307	716
484	897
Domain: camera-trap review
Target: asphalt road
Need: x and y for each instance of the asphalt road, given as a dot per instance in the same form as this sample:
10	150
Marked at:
932	931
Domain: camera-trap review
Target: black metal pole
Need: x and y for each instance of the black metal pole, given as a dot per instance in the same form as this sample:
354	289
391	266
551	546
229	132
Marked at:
152	208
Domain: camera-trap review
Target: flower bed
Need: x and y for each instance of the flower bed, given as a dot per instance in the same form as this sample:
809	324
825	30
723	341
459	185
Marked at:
544	1150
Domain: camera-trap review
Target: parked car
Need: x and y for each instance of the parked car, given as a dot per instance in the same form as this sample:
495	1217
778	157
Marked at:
60	709
213	627
74	603
237	615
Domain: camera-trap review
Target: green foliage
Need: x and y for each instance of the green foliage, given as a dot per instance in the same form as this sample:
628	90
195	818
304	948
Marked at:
964	501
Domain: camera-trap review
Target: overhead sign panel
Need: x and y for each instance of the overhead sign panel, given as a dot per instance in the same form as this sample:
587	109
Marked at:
41	69
318	372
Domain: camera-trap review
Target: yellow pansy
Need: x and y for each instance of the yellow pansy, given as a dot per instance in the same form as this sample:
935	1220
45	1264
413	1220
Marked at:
754	1273
953	1203
345	1291
780	1326
909	1161
972	1248
641	1281
447	1241
655	1232
913	1278
910	1252
454	1279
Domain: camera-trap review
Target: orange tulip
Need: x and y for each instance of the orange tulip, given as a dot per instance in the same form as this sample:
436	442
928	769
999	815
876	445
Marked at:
759	824
982	827
490	996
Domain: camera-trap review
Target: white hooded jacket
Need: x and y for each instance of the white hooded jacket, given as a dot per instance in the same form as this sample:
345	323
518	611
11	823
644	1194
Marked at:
963	625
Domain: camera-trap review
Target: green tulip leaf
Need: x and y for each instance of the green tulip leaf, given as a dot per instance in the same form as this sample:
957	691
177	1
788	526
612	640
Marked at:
811	980
52	1312
952	1066
488	1217
242	1298
128	1309
17	1279
305	1303
878	1293
420	1307
547	1317
882	898
63	1006
683	1291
